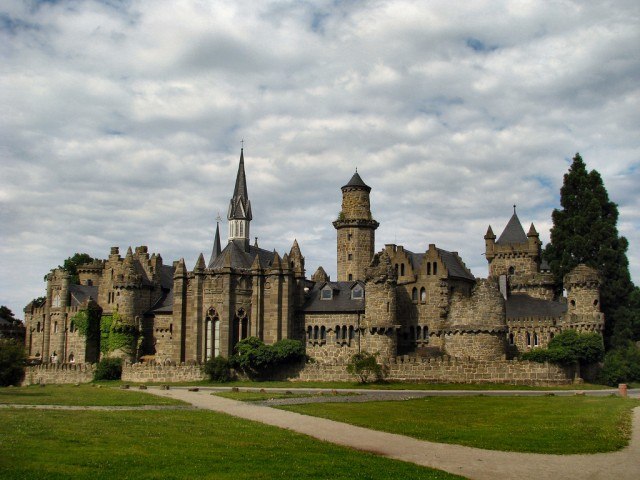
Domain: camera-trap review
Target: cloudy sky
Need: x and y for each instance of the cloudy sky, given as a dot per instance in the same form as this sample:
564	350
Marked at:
122	121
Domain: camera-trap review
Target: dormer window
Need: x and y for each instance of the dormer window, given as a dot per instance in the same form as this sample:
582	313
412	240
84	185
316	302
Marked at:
326	293
357	292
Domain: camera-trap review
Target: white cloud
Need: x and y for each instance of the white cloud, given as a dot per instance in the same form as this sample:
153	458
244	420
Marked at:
122	122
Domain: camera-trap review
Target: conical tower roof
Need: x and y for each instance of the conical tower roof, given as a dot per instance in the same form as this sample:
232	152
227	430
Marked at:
216	246
356	181
513	232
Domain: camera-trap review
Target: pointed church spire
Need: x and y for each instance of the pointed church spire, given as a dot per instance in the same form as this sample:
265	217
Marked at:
239	214
513	232
216	244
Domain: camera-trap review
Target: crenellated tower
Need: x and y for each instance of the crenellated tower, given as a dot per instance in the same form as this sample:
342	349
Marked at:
356	231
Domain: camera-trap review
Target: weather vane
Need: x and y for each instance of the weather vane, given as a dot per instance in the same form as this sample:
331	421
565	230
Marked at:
242	143
218	218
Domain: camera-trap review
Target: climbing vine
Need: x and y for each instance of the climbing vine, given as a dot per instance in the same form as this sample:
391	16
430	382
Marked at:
116	335
87	322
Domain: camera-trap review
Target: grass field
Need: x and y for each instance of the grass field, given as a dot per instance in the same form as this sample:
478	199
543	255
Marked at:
176	445
559	425
80	395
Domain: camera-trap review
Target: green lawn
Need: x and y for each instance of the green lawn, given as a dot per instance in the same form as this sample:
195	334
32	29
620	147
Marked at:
559	425
385	385
80	395
176	445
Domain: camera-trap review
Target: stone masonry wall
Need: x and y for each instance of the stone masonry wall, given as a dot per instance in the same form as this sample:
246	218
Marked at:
58	374
151	372
447	369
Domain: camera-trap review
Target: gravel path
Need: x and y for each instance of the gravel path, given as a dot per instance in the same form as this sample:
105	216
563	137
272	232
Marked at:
473	463
99	408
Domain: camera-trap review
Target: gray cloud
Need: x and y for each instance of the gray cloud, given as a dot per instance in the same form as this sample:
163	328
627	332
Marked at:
122	122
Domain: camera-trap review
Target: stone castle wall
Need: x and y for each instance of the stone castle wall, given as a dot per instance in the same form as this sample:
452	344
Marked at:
58	374
169	373
448	369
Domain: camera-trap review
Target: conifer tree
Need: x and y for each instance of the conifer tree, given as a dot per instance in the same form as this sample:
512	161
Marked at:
585	231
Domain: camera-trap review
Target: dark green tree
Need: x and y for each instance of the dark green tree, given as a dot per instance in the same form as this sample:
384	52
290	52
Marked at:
12	361
585	231
72	263
7	314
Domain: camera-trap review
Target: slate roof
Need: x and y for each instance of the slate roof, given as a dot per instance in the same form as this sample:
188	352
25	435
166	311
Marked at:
241	258
451	261
513	232
521	305
81	293
356	181
165	304
215	252
341	301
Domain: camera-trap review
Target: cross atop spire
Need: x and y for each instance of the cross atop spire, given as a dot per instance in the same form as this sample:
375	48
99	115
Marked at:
240	206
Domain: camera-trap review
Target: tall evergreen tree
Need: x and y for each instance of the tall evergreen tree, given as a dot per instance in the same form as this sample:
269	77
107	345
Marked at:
585	231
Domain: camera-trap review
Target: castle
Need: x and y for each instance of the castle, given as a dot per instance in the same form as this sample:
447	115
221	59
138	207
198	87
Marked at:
398	303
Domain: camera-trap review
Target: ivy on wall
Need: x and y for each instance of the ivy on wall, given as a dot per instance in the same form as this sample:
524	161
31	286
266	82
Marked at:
87	322
116	335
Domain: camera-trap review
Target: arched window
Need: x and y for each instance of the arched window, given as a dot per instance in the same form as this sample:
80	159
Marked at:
323	333
55	327
337	333
316	330
351	332
573	303
72	359
418	332
425	333
423	295
535	339
528	339
309	333
512	270
56	300
402	269
414	294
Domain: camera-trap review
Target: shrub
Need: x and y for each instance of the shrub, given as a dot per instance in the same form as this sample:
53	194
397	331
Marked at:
108	369
258	360
12	362
364	365
218	369
621	365
569	348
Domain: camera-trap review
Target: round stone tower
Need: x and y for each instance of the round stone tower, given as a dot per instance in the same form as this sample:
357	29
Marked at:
583	299
356	231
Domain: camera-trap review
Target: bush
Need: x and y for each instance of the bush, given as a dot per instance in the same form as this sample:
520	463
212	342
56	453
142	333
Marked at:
108	369
621	365
258	360
364	366
12	362
569	348
218	369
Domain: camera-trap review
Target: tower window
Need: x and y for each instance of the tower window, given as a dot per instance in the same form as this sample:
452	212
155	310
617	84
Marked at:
429	268
435	268
414	294
423	295
350	256
349	236
512	270
402	269
351	277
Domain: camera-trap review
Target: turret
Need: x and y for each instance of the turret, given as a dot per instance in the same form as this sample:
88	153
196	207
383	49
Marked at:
355	230
216	246
583	297
239	214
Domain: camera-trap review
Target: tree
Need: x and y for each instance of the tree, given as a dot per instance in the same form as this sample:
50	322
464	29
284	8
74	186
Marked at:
72	263
12	361
7	314
364	365
585	231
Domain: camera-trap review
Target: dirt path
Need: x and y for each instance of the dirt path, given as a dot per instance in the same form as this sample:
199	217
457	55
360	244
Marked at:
473	463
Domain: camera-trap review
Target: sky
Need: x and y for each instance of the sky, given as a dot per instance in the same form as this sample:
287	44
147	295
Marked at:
122	123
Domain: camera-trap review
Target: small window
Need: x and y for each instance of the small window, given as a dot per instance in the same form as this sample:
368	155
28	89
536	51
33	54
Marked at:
38	327
535	339
326	294
72	359
89	282
511	339
309	333
323	333
350	277
595	302
423	295
55	327
357	292
351	332
396	267
414	294
72	326
349	236
429	268
528	339
512	270
402	269
573	303
350	256
435	268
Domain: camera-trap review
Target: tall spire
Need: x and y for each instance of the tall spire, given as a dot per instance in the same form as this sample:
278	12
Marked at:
239	214
216	244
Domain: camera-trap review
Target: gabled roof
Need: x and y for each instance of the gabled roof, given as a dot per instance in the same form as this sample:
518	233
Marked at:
242	259
513	232
81	293
451	261
340	302
520	305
